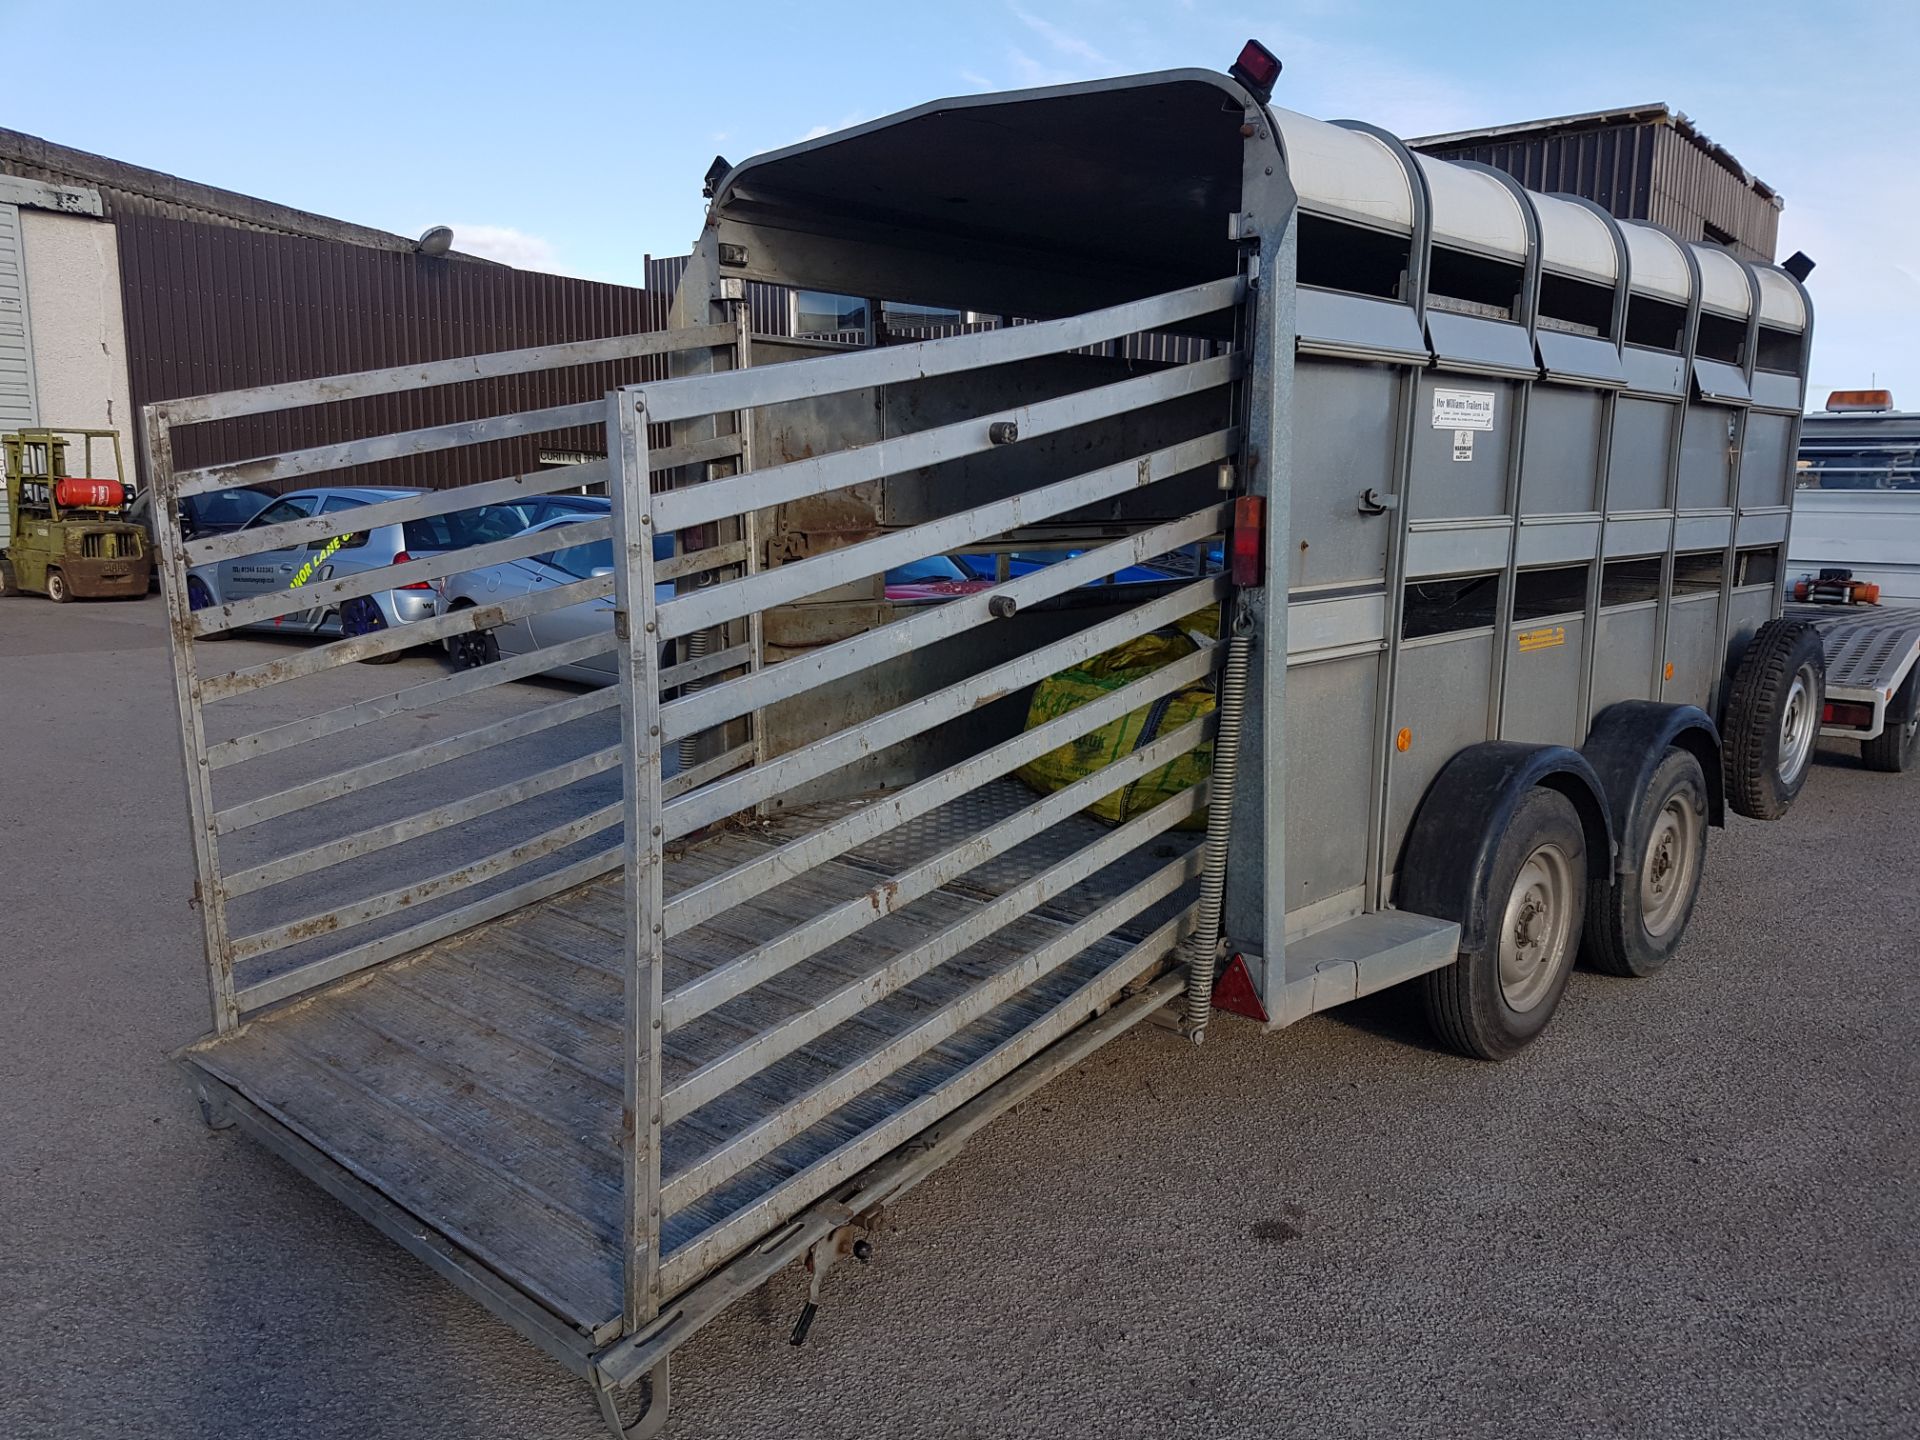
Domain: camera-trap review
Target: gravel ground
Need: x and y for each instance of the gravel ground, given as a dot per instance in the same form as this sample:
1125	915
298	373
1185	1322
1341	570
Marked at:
1689	1210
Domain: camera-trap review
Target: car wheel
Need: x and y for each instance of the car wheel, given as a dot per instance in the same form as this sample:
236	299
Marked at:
474	649
199	597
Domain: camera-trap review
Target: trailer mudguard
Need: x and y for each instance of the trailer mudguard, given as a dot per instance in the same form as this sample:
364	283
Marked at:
1629	740
1447	862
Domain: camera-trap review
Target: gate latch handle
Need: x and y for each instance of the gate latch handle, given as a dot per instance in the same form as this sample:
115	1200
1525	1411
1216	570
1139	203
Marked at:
1372	502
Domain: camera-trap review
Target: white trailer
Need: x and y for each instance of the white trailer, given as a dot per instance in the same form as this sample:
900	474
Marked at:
1483	492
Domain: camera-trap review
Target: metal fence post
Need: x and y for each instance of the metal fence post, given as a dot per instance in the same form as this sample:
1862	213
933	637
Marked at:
157	439
638	648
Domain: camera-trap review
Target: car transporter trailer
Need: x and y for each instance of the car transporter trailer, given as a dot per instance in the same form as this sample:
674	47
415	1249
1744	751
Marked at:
609	1004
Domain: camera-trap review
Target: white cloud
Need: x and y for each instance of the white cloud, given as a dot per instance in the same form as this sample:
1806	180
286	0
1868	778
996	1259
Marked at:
845	122
509	246
1063	41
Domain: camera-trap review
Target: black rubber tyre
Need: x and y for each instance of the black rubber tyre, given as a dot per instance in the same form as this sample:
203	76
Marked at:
1635	921
1774	710
1896	749
474	649
199	597
57	590
9	586
1492	1004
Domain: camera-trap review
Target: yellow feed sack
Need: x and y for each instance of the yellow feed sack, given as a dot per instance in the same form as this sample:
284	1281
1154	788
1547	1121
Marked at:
1096	750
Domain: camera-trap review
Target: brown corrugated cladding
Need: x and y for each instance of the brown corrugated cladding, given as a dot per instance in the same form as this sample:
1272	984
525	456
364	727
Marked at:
212	307
1612	166
1692	191
1638	172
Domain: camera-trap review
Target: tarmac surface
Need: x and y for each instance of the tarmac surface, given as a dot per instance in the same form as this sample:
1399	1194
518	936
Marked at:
1689	1210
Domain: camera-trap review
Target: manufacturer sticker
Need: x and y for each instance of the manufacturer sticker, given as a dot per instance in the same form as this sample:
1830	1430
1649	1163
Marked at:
1463	409
1463	445
1545	638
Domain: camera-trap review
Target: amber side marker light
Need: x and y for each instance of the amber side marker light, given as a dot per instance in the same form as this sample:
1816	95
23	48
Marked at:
1403	742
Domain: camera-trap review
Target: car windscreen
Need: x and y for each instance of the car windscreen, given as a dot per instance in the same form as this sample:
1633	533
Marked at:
479	526
225	509
581	561
921	572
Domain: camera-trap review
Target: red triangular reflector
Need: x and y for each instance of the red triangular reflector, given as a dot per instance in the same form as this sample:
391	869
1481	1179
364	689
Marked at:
1234	992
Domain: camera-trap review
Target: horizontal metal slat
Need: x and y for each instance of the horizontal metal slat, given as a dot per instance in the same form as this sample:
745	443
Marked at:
694	452
751	1057
783	584
429	440
322	593
782	953
693	395
321	658
895	455
694	776
790	1120
348	962
408	762
699	903
698	562
348	915
381	707
427	822
293	394
424	506
940	707
691	714
687	671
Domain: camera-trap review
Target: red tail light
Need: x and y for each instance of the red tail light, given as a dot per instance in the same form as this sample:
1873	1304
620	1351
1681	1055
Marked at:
402	559
1247	541
1257	69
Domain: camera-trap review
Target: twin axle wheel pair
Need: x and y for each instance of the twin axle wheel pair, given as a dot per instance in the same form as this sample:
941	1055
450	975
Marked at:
1547	855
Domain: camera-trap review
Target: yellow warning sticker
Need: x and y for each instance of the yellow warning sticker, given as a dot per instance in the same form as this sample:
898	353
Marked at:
1544	638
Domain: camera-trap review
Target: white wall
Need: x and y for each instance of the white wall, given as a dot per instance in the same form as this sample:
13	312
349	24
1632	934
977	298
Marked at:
79	338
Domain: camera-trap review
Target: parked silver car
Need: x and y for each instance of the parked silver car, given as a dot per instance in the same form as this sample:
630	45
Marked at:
563	565
223	581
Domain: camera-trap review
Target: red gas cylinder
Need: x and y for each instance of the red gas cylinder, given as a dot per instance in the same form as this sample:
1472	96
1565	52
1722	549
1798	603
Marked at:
76	493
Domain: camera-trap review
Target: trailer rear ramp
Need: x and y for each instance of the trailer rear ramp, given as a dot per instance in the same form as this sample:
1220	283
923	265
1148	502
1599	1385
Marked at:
477	1084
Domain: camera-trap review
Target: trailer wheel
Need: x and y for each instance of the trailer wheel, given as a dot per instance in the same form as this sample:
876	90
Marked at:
1491	1003
1774	712
1896	747
1635	919
57	590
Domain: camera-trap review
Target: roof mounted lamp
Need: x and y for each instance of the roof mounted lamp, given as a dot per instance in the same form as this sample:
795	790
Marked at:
1799	265
1257	69
435	242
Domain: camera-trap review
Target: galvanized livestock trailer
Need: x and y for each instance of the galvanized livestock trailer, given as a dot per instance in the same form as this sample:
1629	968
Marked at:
609	1004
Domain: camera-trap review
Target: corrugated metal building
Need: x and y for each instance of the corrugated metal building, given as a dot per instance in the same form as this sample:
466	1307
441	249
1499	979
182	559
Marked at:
120	286
1642	162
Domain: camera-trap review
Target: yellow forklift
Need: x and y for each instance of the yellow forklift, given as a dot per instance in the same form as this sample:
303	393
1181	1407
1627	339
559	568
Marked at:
68	535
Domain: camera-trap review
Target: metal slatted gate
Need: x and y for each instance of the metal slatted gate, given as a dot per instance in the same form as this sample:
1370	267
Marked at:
600	1052
295	888
811	993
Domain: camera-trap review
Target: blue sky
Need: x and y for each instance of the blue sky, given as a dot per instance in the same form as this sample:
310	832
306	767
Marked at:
572	135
